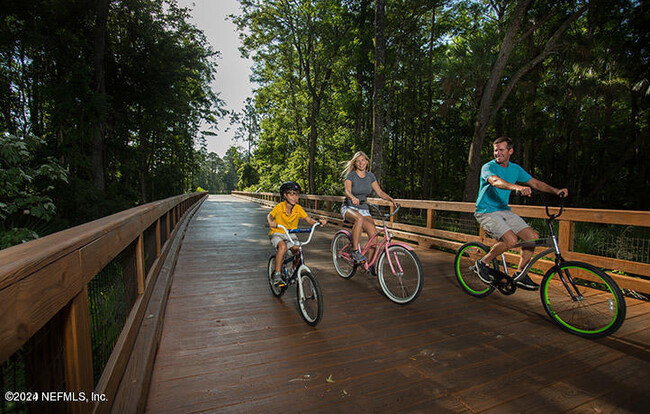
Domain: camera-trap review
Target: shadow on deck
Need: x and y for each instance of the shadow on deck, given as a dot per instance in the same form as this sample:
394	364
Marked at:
229	345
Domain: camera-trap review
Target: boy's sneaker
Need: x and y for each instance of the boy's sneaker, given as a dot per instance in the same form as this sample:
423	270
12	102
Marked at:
277	279
482	271
525	282
358	257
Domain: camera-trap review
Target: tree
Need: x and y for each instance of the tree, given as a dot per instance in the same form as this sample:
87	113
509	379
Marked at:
488	107
378	92
28	182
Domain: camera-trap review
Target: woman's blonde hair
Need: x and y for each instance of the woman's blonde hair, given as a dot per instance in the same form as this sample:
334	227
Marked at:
350	166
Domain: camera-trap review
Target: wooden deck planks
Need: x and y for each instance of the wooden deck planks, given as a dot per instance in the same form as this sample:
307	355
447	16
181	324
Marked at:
228	345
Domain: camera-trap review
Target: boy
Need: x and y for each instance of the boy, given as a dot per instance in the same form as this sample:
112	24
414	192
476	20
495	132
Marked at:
286	213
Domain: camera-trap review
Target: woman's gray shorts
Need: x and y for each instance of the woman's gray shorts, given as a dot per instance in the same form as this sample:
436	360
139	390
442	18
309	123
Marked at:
497	223
362	211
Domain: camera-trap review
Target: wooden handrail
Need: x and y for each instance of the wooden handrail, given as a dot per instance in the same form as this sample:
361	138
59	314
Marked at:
430	237
42	278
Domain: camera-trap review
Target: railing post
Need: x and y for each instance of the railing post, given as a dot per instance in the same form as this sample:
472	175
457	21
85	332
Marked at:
158	237
482	234
392	210
431	218
139	264
565	238
77	350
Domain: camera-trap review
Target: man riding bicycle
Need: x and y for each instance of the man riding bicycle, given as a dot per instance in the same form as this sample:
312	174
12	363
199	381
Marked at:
498	179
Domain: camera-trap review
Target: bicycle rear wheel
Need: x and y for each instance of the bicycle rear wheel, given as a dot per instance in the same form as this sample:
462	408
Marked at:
583	300
466	257
400	274
310	303
277	291
341	255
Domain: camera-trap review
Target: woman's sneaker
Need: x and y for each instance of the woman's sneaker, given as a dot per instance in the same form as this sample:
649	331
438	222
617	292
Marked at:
277	279
358	257
525	282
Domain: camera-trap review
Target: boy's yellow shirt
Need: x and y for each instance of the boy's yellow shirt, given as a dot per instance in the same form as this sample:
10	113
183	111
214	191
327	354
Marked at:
279	214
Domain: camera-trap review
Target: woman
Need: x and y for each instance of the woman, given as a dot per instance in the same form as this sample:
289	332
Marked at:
359	183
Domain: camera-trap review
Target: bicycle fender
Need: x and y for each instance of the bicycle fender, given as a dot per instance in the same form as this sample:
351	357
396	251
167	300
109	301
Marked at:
346	232
404	245
302	268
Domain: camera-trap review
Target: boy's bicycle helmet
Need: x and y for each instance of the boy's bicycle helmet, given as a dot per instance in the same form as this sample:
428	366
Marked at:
288	186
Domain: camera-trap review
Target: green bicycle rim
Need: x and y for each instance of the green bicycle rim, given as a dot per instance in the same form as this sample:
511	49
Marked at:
462	280
571	327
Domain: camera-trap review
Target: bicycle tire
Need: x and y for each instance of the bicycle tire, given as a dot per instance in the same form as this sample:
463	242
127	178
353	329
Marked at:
598	312
342	243
469	281
311	304
404	285
277	291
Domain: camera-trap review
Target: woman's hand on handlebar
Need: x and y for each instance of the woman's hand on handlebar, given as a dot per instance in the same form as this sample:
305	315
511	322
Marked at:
323	222
563	192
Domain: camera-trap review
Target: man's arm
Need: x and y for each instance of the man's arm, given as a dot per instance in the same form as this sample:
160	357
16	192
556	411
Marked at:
498	182
542	186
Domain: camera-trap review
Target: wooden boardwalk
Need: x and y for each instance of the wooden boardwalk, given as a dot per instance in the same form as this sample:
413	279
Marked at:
228	345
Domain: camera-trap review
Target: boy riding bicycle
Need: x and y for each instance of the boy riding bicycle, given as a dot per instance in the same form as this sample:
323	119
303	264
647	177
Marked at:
286	213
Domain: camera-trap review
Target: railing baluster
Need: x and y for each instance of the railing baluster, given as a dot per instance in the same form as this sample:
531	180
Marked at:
77	350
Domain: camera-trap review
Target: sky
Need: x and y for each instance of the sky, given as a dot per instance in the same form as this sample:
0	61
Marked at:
232	78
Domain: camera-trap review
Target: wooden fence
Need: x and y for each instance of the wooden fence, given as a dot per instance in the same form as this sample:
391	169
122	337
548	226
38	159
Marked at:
429	236
44	287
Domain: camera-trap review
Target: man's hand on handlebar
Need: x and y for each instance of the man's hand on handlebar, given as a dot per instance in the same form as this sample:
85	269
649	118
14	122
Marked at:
563	192
524	191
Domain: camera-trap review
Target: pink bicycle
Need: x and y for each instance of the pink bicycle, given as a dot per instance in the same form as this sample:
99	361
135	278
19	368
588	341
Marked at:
397	266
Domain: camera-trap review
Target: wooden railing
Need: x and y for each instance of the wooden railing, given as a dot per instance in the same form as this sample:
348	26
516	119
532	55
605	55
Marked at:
429	236
46	280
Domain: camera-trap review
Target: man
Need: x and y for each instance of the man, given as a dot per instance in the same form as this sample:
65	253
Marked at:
498	179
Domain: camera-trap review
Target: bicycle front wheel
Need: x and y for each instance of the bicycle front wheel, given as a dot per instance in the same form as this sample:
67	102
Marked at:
342	255
276	290
310	302
465	259
583	300
400	274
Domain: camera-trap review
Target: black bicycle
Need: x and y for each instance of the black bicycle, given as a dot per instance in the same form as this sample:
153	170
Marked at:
308	293
580	298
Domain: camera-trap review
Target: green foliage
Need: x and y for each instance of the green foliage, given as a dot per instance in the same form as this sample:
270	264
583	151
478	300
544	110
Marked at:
28	181
589	94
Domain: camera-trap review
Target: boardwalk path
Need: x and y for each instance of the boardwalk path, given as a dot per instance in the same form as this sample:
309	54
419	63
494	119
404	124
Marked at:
228	345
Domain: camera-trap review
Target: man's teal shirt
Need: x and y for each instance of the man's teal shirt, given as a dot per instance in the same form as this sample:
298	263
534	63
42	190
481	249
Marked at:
490	198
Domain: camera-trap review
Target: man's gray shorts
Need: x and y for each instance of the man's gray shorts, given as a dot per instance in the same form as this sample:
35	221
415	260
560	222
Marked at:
497	223
277	237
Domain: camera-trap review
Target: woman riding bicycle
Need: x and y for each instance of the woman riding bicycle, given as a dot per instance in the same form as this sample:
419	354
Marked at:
359	184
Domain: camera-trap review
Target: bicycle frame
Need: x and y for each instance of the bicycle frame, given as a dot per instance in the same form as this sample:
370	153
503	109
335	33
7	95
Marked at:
383	245
297	272
552	242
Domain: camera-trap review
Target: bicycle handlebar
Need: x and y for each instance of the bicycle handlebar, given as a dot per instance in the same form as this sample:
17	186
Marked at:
385	215
559	213
310	230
